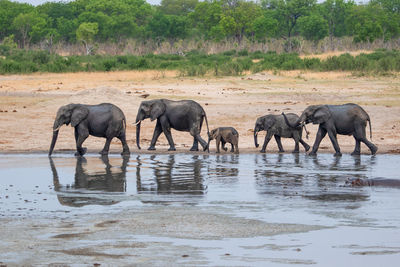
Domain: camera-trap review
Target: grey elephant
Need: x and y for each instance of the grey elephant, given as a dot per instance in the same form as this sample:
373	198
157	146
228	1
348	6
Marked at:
276	126
225	135
347	119
104	120
184	115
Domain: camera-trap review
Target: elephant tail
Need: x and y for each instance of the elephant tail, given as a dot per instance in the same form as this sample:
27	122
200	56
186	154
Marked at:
370	128
208	133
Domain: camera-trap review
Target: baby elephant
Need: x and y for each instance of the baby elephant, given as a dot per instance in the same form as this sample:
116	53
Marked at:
225	135
276	126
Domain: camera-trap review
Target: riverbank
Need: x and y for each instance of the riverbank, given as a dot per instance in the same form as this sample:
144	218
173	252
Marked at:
28	104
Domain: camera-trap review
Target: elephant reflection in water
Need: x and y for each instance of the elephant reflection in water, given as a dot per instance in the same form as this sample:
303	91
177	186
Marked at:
173	177
105	181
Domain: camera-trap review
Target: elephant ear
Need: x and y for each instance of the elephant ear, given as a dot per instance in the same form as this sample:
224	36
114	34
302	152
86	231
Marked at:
78	115
321	115
268	122
157	109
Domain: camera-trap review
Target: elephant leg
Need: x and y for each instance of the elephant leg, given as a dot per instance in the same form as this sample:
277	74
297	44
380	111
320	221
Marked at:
195	132
361	135
236	144
232	148
76	141
195	146
167	131
320	135
357	148
125	147
217	142
278	141
296	143
266	141
82	135
333	137
305	145
157	131
106	147
223	145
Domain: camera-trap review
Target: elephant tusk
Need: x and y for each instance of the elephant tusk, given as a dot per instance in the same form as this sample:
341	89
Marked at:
137	122
58	128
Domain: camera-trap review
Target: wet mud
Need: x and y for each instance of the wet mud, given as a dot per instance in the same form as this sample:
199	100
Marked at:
198	210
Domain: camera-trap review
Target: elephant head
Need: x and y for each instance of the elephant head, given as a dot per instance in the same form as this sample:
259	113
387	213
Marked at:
316	114
152	109
263	124
72	113
212	135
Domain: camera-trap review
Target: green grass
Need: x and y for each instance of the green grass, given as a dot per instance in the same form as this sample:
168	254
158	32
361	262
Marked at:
195	63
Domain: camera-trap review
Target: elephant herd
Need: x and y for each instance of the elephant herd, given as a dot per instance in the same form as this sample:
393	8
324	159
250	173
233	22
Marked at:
108	121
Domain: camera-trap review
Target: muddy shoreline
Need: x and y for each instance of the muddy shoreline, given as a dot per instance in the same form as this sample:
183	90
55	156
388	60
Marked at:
28	104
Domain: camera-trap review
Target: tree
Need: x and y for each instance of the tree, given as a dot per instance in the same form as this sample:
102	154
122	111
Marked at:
86	33
177	7
335	12
313	27
29	25
265	26
288	12
206	18
237	18
8	12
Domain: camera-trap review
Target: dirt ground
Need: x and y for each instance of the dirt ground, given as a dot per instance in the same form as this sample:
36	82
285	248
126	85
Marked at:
28	105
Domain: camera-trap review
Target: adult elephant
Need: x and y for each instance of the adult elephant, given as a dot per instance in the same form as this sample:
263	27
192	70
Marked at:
103	120
184	115
347	119
275	126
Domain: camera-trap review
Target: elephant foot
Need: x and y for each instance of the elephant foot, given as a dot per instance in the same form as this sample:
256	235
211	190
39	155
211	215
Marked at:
103	152
224	148
338	154
355	153
295	151
81	152
307	148
172	149
232	150
312	153
236	152
206	148
218	152
262	151
125	153
281	151
194	148
151	148
373	150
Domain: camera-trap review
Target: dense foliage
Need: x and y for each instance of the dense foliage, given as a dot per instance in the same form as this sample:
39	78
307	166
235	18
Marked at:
195	63
91	21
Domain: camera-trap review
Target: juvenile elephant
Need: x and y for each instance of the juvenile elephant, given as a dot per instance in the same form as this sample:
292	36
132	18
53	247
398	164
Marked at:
103	120
275	126
225	135
347	119
184	115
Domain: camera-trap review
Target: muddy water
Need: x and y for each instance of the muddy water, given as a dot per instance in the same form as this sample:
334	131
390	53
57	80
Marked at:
188	209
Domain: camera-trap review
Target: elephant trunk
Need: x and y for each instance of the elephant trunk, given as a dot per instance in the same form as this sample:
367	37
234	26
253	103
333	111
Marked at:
53	141
138	123
255	137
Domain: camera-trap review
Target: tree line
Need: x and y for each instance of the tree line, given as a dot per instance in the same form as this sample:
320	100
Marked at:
92	21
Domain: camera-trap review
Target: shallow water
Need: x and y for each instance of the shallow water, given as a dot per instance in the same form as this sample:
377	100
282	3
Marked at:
357	225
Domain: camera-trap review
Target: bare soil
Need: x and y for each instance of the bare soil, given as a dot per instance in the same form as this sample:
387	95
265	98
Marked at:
28	105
